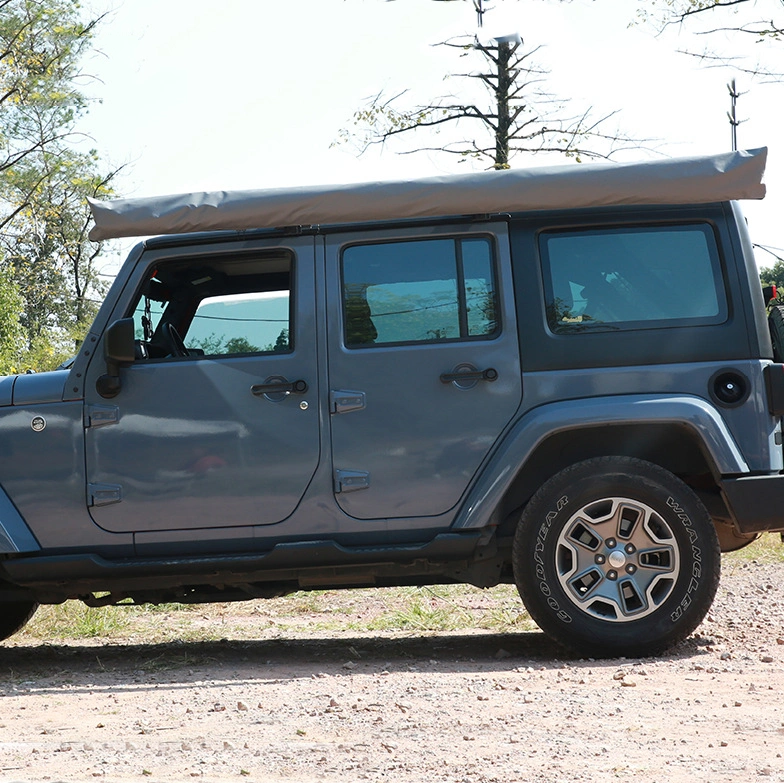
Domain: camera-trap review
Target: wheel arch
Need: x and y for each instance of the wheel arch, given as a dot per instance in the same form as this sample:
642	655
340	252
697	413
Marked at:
685	435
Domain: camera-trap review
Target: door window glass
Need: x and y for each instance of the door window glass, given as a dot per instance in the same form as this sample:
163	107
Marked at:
241	323
418	291
218	308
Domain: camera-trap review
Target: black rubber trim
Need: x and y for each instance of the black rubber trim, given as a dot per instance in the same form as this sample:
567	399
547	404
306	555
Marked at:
296	557
756	502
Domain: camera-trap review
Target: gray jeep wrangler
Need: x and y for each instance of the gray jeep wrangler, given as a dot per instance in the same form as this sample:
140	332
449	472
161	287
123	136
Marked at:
561	378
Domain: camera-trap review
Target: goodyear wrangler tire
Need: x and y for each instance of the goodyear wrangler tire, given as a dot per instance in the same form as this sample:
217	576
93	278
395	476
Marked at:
615	556
776	326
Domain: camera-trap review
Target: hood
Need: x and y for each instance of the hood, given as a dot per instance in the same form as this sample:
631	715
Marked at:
33	389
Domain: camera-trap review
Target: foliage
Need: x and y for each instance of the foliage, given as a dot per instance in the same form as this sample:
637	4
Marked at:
44	180
11	332
281	344
219	345
773	275
520	117
53	260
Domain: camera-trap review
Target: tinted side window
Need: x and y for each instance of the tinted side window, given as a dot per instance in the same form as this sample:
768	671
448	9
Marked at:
419	291
217	307
627	278
241	323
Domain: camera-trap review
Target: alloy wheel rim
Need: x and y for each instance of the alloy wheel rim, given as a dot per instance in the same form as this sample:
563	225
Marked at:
617	559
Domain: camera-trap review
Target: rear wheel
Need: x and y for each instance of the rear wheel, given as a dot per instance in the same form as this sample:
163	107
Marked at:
616	556
14	616
776	326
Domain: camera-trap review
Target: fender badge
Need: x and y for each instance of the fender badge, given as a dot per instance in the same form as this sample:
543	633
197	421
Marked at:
38	424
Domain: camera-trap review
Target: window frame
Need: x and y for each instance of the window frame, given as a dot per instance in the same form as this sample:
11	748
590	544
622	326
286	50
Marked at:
715	256
188	307
462	312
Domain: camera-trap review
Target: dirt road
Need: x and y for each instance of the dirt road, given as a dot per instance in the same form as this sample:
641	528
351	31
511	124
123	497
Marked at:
467	708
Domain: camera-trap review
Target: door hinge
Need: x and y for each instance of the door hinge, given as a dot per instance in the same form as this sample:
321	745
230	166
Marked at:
100	415
344	401
103	494
351	480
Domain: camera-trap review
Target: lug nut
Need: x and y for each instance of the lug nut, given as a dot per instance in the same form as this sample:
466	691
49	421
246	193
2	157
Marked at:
612	575
610	543
630	550
630	569
600	559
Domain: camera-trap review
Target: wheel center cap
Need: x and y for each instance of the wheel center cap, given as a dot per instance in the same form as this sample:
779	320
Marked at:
617	559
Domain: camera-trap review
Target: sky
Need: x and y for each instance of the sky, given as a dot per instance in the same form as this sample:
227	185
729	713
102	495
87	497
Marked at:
192	95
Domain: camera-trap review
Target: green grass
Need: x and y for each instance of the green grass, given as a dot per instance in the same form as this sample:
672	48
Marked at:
334	612
769	548
74	620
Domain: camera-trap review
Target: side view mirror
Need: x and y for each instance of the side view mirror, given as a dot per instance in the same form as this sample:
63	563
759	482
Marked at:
118	351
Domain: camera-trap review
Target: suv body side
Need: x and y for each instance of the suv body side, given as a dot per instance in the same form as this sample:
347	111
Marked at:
403	448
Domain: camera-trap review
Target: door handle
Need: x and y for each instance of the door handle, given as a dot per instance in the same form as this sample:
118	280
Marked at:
293	387
490	374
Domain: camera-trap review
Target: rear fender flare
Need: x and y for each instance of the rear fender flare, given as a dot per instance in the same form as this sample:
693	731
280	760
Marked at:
537	425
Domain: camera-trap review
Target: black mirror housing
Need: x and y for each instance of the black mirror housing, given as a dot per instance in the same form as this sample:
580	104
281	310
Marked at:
118	350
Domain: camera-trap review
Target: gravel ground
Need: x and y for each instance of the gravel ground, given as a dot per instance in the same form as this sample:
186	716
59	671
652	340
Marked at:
473	707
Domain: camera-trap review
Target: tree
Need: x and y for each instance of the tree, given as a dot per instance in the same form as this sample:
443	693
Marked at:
44	179
773	275
41	45
743	18
521	118
48	248
11	331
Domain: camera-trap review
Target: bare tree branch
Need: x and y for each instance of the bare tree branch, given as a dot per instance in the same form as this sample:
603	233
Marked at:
708	7
687	14
521	118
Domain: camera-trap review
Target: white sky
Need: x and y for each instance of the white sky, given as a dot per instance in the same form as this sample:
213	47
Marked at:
199	95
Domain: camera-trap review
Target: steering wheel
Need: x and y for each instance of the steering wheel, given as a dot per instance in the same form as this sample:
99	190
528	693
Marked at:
174	342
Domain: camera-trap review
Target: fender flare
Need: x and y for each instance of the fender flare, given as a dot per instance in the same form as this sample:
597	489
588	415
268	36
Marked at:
525	436
15	535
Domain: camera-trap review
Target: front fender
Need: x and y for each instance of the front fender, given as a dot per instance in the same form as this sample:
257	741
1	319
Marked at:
15	536
546	420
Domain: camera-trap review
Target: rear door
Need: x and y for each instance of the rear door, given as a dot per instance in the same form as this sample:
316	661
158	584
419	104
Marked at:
423	364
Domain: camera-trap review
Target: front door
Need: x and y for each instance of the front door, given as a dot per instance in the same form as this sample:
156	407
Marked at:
198	436
424	364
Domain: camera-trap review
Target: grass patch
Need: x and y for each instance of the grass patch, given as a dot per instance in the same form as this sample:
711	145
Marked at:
74	620
148	623
768	548
450	608
306	614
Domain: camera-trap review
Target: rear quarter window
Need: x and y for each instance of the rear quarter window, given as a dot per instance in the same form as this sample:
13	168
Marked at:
632	278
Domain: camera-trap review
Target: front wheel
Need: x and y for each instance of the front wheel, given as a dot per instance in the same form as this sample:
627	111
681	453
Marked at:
616	556
14	615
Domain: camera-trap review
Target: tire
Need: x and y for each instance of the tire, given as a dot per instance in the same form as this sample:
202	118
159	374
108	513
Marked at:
14	616
615	556
776	326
